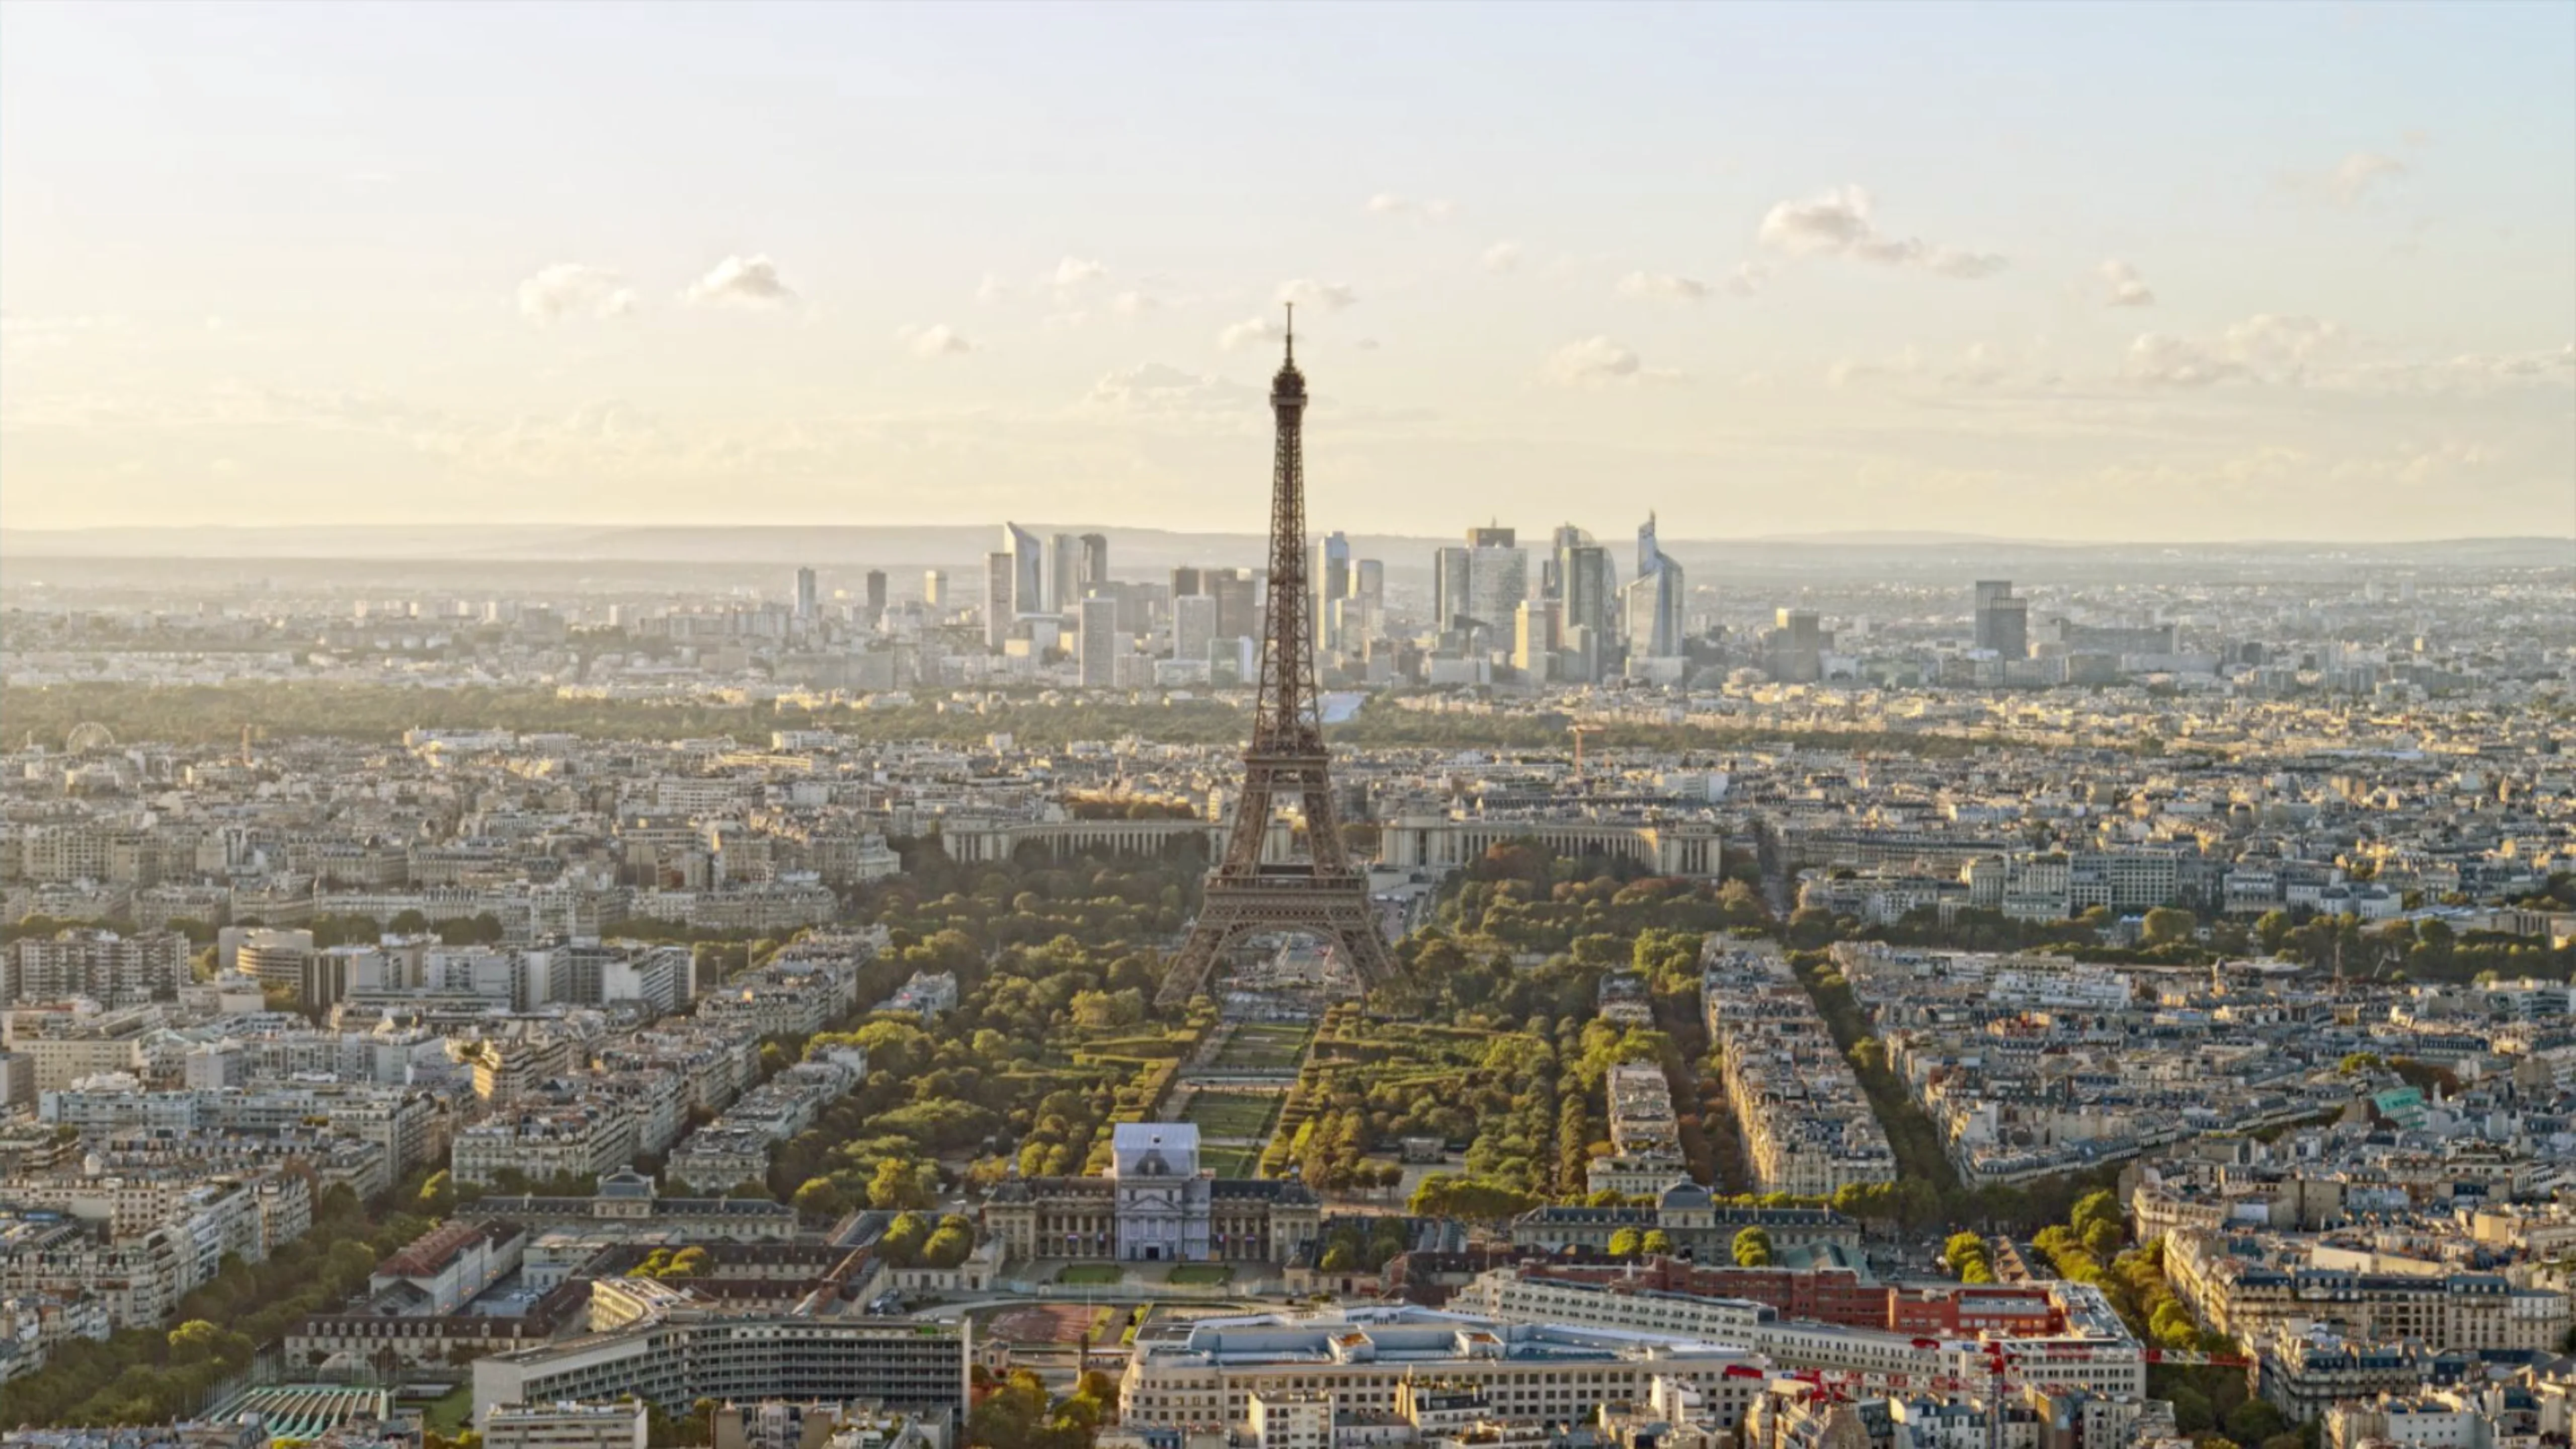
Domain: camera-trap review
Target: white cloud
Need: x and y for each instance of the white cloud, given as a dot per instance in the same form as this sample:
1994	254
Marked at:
1747	279
1320	296
2266	348
1432	209
1250	332
1838	224
1844	373
2121	286
1964	265
936	340
2356	174
749	281
1156	389
569	289
1832	223
1503	256
992	289
1664	285
1132	304
1075	271
1600	362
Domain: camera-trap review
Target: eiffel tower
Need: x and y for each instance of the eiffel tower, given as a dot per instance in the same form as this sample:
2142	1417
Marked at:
1325	894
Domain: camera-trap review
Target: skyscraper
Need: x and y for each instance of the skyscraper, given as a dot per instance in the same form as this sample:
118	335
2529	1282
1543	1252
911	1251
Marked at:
805	595
876	594
1238	603
1029	593
1368	581
1798	643
1534	637
934	588
1484	582
1448	587
1578	578
1001	579
1095	559
1332	582
2002	621
1193	626
1063	574
1101	642
1655	599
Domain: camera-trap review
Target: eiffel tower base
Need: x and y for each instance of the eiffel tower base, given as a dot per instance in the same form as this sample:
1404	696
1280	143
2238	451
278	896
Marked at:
1337	912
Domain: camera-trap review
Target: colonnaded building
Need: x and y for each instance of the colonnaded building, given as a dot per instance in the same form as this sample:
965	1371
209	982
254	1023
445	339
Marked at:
1154	1205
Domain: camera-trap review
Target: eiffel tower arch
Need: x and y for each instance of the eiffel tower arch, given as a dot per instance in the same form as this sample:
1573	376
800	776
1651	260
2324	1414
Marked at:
1326	893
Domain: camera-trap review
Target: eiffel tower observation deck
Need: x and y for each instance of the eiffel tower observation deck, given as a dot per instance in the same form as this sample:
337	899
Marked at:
1322	892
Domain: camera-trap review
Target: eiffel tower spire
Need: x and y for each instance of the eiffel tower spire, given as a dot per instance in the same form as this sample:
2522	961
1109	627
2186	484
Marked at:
1324	893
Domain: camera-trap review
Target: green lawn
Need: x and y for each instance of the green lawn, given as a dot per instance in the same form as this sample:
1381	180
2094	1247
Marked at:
1244	1115
1204	1273
1255	1048
1097	1275
1230	1161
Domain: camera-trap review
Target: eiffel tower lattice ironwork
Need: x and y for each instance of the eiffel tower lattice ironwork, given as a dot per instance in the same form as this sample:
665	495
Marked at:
1325	893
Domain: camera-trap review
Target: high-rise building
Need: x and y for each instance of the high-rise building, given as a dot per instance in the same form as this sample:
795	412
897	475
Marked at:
1586	592
1101	642
1193	626
1095	559
2002	621
1655	599
1368	581
934	588
1063	573
1534	637
1484	582
1448	587
1797	646
1238	603
1030	593
876	594
1187	580
1332	574
1001	582
805	595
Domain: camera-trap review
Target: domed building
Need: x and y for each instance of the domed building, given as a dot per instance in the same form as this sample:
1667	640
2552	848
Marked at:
1154	1205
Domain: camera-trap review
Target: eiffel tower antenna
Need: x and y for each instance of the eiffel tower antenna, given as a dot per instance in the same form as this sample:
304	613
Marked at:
1325	894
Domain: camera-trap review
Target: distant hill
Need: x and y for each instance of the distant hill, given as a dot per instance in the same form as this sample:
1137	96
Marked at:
1139	551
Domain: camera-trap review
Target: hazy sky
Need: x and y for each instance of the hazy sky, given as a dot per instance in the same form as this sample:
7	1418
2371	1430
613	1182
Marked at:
2162	271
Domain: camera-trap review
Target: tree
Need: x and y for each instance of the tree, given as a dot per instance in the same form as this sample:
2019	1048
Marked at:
2100	1206
1753	1248
900	1183
903	1240
438	1194
2165	925
2254	1421
820	1197
1658	1243
1625	1242
2272	928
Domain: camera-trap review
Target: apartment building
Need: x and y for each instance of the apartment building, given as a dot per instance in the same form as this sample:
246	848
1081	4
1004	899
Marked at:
1365	1358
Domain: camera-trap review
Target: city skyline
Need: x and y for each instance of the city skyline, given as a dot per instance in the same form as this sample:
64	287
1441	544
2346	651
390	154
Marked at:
2330	292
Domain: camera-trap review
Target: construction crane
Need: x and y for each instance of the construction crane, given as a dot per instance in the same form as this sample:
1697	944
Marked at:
1579	731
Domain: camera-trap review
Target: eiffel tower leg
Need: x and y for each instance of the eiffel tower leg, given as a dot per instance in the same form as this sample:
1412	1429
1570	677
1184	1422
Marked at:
1209	939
